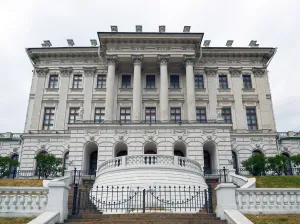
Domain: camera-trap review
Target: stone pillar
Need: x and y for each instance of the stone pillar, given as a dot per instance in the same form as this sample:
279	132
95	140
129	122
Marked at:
110	80
240	121
164	88
137	88
212	86
225	193
190	87
89	73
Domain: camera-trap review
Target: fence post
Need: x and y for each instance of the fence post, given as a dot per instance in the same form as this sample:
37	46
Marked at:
74	199
144	198
210	199
206	201
225	193
74	175
224	170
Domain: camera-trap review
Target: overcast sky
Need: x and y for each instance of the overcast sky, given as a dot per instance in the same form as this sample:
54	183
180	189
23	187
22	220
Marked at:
274	23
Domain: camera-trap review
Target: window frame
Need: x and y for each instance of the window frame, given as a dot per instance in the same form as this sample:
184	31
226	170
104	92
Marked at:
175	114
250	124
247	81
150	114
173	85
226	114
100	114
153	84
101	83
53	81
198	81
73	116
51	116
201	114
125	114
77	81
223	81
126	85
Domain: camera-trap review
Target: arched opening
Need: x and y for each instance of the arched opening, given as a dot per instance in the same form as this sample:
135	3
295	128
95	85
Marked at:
121	149
150	148
210	156
66	161
234	160
289	170
257	152
90	157
180	149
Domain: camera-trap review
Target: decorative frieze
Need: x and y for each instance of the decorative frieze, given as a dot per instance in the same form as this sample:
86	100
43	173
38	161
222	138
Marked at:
163	59
211	71
89	71
66	71
235	72
258	71
42	71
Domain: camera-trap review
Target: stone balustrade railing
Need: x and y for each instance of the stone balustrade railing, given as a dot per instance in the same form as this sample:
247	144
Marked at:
268	200
150	160
23	200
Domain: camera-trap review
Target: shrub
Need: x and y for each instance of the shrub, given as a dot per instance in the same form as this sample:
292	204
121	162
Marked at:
296	160
6	163
277	164
48	165
255	165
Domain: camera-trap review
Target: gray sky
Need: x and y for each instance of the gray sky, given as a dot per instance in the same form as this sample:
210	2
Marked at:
274	23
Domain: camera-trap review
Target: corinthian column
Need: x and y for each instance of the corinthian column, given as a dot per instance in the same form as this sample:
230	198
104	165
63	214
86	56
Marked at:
137	94
190	87
164	87
110	80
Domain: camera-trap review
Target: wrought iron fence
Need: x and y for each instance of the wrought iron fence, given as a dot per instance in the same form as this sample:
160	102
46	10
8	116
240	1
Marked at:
287	172
77	175
219	175
121	199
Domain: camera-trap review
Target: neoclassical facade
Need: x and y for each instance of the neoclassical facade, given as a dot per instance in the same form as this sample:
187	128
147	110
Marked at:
142	94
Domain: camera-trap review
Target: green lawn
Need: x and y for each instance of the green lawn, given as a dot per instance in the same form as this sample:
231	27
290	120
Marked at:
4	220
274	219
21	183
278	182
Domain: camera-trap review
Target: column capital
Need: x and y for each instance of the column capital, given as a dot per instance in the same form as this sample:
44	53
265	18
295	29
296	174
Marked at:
211	71
235	72
163	59
111	59
42	71
258	71
137	59
66	71
189	59
89	70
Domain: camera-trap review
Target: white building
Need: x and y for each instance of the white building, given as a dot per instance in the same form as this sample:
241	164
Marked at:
149	93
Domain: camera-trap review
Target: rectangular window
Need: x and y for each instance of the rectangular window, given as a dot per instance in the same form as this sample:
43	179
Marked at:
201	115
101	82
99	115
174	81
74	114
150	114
175	114
53	82
251	118
247	82
223	82
199	84
125	115
77	82
126	81
48	122
150	81
226	114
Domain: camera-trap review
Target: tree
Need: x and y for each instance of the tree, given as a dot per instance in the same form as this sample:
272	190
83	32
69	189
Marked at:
6	163
48	165
296	160
255	165
277	164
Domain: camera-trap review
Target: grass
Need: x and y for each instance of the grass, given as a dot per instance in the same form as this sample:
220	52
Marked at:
21	183
4	220
278	182
274	219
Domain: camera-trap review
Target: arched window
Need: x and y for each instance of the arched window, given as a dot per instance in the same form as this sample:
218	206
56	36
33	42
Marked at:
121	149
257	152
180	149
150	148
93	161
210	156
234	160
90	157
66	161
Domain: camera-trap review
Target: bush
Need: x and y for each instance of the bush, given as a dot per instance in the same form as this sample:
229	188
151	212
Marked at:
6	163
255	165
277	164
48	165
296	160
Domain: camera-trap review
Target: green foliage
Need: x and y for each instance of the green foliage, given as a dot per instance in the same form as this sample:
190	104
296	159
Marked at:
277	164
255	165
296	160
6	163
48	165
